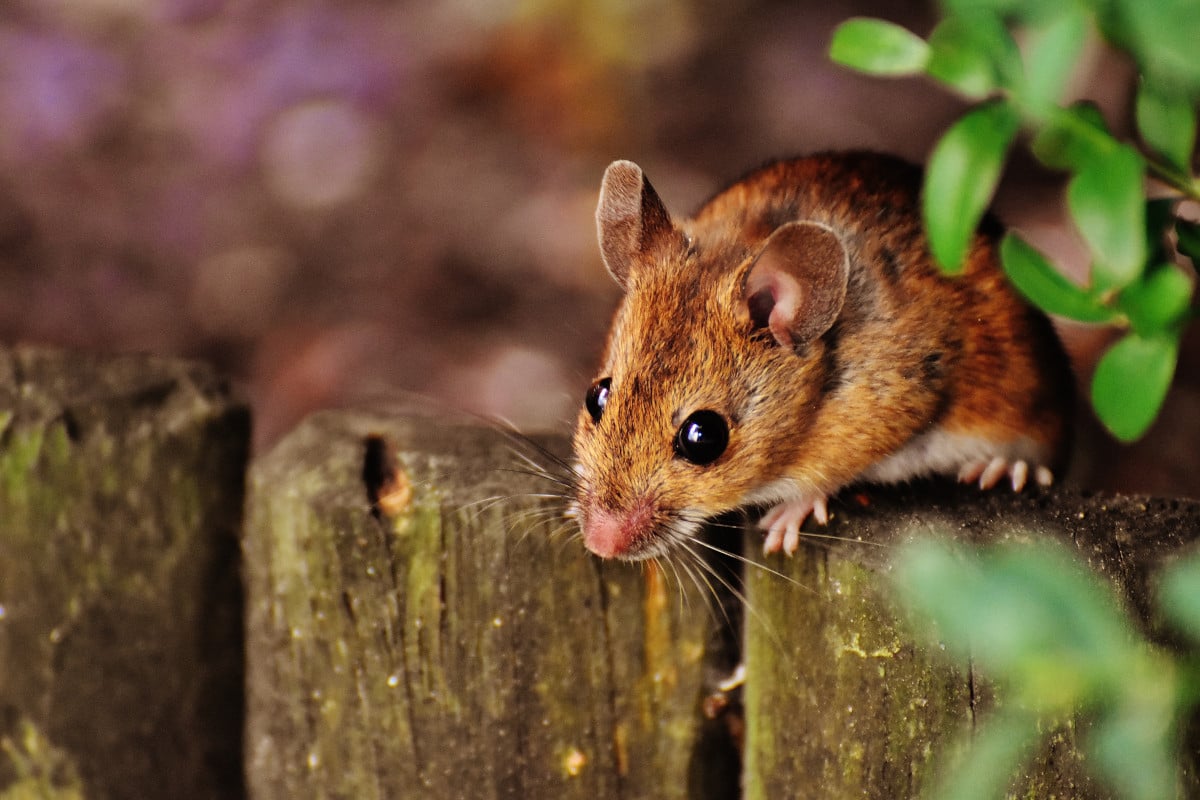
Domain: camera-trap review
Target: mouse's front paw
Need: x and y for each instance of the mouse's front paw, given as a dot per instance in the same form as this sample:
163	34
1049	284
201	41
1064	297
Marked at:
988	473
782	523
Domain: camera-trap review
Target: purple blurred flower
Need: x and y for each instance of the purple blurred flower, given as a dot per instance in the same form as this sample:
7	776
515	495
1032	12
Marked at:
54	90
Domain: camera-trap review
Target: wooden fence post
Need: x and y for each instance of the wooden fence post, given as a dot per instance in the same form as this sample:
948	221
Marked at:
842	700
449	644
420	623
121	484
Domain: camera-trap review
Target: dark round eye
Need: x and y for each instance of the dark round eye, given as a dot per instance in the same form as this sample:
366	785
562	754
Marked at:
597	398
702	437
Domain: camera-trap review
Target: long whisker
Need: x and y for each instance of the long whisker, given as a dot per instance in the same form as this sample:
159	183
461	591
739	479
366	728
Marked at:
737	593
752	563
688	570
849	539
807	534
695	568
519	440
545	476
659	563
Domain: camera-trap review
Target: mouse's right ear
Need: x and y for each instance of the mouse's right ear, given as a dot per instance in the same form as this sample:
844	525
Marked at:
631	220
796	286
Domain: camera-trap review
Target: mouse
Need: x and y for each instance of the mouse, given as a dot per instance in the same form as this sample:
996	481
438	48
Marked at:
792	337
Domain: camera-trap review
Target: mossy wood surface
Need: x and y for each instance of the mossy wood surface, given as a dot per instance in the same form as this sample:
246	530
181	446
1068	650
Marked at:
121	486
420	623
449	644
842	701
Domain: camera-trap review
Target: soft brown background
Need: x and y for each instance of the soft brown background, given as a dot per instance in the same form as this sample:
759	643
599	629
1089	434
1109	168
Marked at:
336	202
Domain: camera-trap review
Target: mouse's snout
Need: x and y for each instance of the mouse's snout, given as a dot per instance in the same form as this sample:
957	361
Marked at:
620	533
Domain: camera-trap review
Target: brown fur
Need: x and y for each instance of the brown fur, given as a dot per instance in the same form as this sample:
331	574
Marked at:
911	349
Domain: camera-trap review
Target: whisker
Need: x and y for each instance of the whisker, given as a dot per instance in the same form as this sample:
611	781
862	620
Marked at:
752	563
700	579
561	530
540	476
705	589
805	534
480	505
670	562
708	571
539	514
848	539
565	471
519	440
744	603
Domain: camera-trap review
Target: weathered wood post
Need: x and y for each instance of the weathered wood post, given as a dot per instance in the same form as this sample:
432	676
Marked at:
420	623
448	644
843	700
121	485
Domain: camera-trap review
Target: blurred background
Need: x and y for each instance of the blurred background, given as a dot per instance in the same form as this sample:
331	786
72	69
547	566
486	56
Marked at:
337	202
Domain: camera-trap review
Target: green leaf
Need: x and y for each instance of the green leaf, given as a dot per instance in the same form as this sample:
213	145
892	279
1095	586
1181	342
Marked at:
1134	748
963	171
878	47
1107	202
1052	50
1073	137
1131	382
1078	640
1160	35
1158	301
1167	123
931	577
1027	614
1046	287
1019	11
1179	594
974	54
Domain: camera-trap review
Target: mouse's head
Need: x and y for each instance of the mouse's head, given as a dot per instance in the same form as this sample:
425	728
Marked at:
709	378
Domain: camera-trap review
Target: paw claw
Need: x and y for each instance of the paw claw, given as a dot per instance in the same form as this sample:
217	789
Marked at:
791	539
820	511
971	471
992	473
988	472
1019	474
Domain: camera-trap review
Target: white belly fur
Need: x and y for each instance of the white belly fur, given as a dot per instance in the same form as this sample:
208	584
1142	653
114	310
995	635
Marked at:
937	452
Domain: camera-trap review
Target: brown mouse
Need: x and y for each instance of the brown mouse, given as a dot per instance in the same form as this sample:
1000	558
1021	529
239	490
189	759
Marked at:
795	336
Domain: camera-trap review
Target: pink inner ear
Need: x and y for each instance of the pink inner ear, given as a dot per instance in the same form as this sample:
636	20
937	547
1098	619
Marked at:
773	297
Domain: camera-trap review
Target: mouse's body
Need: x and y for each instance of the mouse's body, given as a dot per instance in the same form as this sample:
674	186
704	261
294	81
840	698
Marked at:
795	336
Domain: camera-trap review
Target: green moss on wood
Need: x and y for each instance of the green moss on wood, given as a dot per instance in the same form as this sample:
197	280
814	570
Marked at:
121	634
42	771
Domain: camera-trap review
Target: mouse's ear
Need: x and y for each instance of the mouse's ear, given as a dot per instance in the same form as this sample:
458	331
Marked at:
797	285
630	219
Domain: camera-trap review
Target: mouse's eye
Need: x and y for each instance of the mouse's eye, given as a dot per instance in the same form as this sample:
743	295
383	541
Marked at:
702	437
597	398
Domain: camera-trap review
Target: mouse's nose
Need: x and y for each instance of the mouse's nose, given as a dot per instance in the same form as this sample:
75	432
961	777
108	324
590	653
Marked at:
616	534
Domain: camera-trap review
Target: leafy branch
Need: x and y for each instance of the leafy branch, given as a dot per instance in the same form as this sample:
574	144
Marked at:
1057	643
1137	245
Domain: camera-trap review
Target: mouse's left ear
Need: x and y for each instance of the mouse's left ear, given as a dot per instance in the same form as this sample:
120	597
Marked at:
797	285
631	220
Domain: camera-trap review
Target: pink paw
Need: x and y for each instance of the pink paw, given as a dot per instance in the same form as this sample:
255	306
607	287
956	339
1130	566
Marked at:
782	523
989	472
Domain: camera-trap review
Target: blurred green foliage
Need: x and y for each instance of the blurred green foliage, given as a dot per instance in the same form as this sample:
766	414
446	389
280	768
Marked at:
1056	642
1138	246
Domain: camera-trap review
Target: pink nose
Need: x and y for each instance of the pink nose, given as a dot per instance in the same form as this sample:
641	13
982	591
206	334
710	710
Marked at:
614	534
